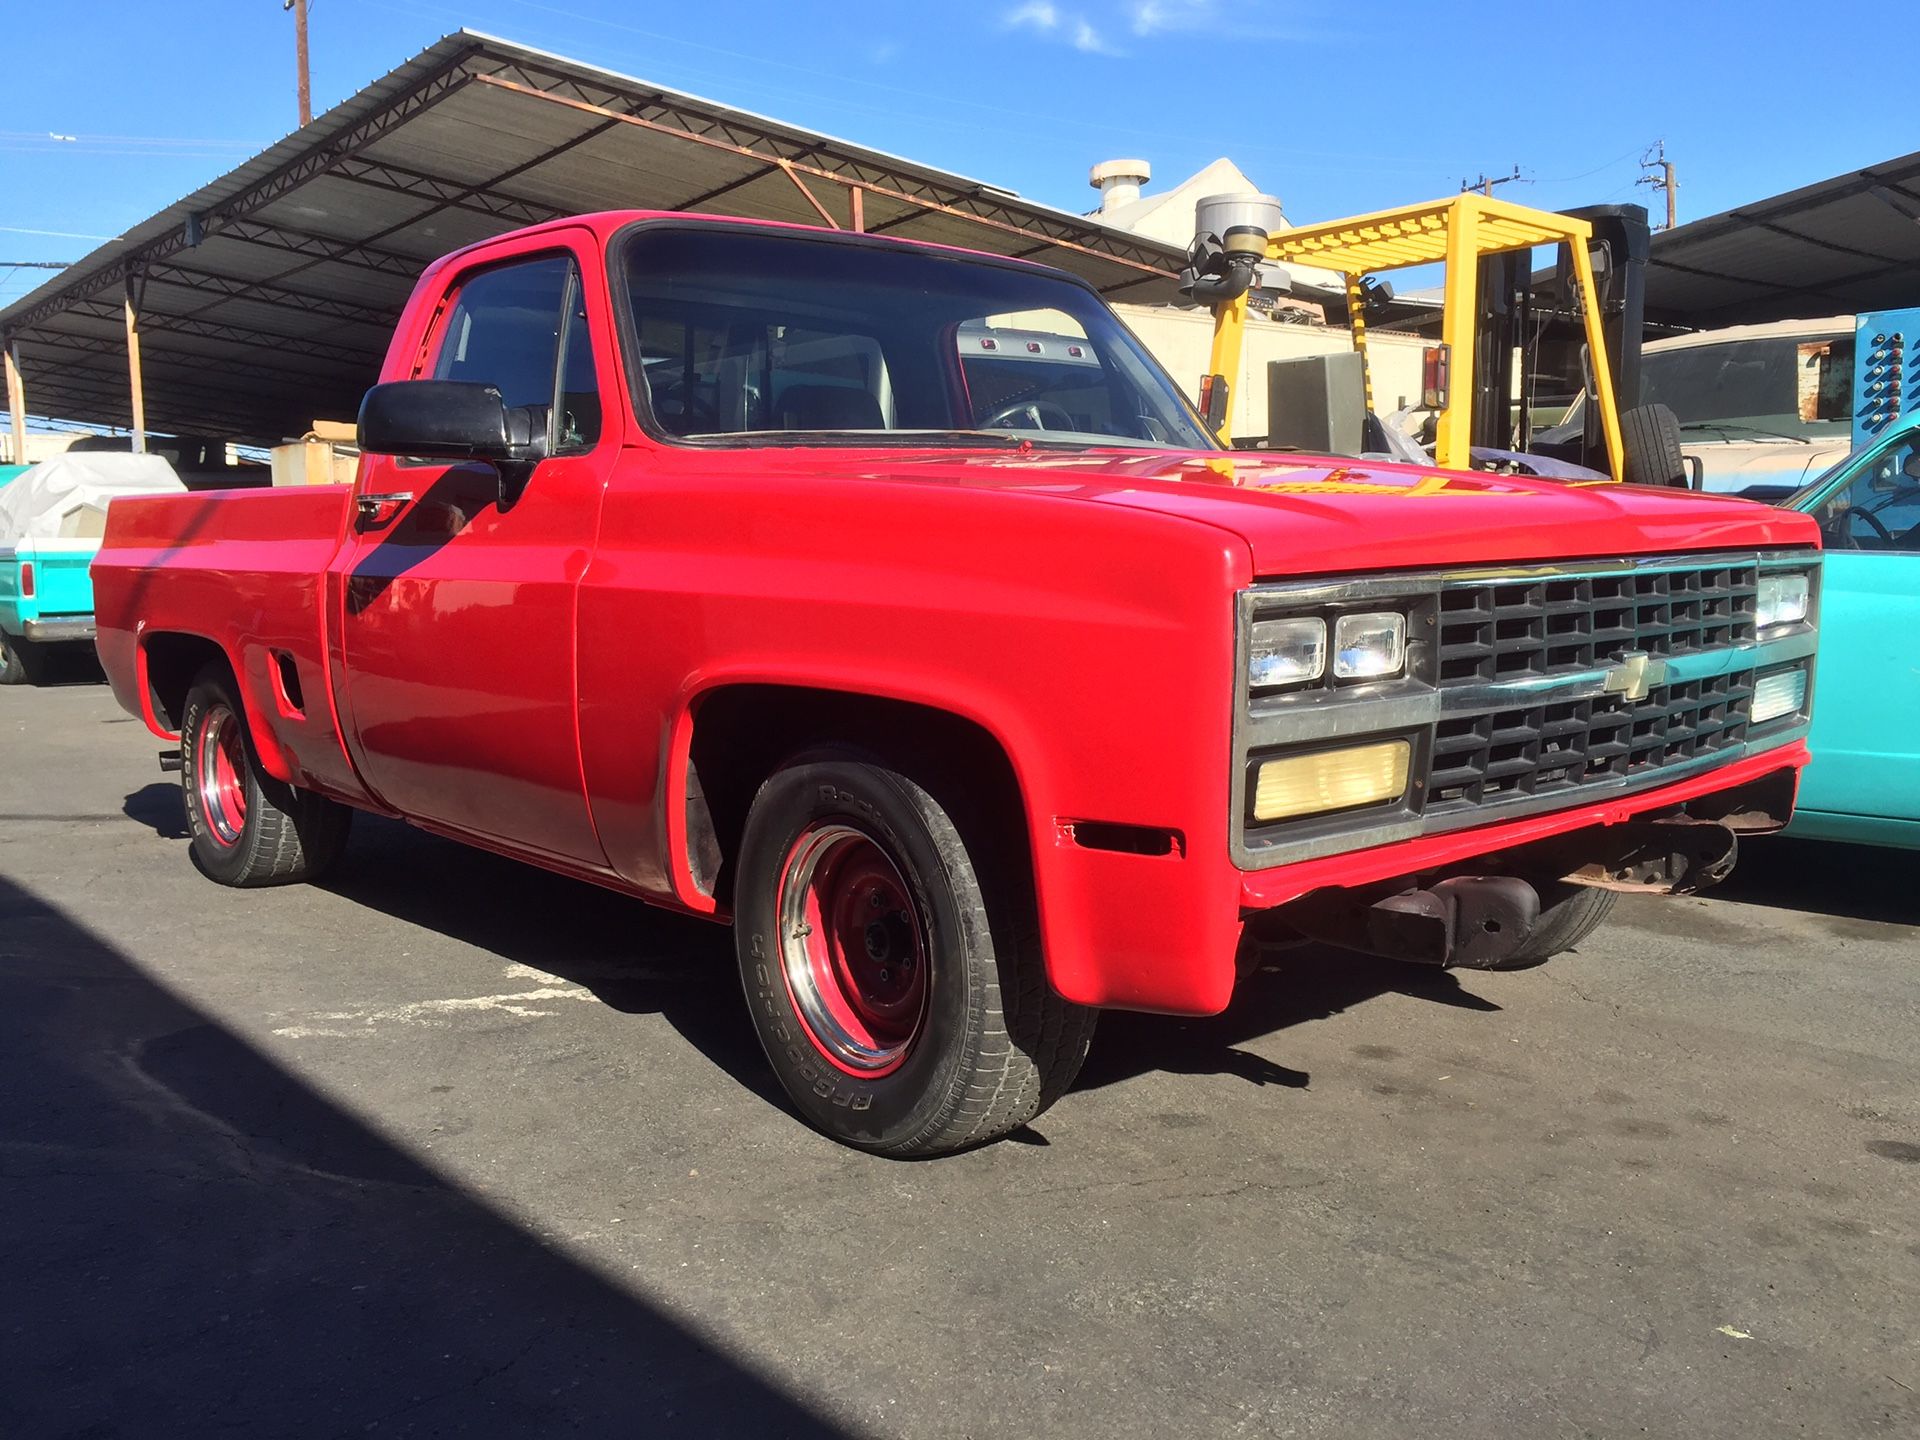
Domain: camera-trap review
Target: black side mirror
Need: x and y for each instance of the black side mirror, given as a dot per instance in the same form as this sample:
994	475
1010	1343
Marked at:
446	420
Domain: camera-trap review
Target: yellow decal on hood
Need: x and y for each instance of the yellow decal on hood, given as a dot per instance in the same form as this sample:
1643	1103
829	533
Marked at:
1337	482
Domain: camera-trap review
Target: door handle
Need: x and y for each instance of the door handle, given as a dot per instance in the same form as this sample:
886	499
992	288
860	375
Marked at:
373	511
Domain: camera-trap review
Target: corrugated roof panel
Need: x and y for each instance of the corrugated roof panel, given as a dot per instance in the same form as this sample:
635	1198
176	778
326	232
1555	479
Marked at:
302	247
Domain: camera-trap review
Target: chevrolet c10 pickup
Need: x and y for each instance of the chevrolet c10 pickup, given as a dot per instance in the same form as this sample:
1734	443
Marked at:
891	604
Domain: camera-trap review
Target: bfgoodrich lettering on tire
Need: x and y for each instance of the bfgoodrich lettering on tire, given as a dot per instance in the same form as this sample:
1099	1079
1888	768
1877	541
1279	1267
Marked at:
248	828
900	997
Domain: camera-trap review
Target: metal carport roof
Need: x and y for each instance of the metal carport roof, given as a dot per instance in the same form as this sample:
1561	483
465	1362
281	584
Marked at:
264	300
1844	245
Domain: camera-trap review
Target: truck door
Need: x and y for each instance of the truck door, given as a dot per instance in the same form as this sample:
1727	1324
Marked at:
455	593
1866	760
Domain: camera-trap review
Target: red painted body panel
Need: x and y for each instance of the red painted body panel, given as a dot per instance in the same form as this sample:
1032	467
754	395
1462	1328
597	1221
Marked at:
528	678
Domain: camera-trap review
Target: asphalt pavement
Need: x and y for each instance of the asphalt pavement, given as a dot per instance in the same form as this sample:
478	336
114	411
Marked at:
449	1146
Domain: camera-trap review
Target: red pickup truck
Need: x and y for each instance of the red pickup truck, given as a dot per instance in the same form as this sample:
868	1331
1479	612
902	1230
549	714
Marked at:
890	603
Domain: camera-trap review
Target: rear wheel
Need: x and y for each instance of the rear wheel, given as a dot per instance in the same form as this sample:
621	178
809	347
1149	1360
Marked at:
247	828
21	661
899	994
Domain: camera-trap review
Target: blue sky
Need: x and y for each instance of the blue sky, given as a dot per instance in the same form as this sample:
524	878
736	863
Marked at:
115	108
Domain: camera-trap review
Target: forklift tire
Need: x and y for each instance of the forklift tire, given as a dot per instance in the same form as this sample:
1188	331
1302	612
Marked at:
1650	436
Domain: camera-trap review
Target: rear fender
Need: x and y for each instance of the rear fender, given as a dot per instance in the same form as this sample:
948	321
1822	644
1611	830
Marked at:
272	756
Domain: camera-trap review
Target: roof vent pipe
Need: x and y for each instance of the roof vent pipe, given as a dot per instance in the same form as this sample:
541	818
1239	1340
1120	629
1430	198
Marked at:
1119	181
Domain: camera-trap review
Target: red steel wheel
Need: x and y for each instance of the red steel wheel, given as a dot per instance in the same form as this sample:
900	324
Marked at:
246	827
853	950
897	987
220	766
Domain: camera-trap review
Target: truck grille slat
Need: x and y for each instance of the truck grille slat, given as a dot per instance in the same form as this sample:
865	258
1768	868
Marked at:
1538	628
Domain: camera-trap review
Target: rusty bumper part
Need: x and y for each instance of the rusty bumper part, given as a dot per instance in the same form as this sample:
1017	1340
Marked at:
1480	920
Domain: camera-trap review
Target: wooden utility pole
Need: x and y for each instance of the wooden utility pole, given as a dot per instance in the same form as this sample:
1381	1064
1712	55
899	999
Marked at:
299	9
135	288
17	403
1656	159
1486	182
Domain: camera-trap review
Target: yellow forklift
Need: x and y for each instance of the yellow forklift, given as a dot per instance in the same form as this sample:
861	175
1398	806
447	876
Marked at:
1497	320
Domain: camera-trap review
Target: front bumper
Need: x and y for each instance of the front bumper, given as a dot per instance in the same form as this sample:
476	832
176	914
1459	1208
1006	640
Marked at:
1265	889
60	628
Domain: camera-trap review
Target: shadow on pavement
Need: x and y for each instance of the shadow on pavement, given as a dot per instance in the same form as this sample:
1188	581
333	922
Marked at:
1825	877
159	807
197	1240
641	960
1309	983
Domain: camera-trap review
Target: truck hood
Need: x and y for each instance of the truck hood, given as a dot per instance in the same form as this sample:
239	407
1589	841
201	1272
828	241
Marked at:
1303	515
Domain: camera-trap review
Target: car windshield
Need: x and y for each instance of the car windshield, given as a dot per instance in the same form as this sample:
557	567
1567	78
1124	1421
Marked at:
1789	387
763	337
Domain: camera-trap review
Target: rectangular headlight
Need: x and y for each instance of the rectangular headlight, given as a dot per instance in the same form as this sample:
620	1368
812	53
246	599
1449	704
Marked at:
1331	780
1286	652
1782	692
1783	598
1369	647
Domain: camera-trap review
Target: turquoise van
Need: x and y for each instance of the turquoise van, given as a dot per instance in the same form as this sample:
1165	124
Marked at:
1864	782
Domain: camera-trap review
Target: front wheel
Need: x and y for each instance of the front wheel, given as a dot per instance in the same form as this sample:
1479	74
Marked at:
899	995
247	828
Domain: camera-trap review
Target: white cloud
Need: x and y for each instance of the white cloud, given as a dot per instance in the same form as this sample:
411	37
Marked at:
1045	18
1086	38
1152	17
1034	15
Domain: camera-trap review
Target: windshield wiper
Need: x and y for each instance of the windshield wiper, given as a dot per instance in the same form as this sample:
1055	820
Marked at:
1729	428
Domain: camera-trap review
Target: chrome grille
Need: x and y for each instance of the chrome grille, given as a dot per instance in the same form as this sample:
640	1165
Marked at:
1527	690
1513	628
1554	748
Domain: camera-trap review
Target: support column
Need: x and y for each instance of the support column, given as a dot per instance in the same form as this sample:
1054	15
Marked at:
133	366
858	201
17	403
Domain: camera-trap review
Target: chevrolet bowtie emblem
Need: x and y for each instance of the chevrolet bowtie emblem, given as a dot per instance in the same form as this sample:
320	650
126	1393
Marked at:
1635	675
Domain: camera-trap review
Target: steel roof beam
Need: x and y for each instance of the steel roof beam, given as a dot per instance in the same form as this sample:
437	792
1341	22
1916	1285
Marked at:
101	345
431	90
234	334
221	288
321	247
979	207
444	193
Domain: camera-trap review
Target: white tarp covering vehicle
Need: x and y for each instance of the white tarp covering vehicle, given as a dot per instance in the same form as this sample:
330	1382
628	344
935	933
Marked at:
51	520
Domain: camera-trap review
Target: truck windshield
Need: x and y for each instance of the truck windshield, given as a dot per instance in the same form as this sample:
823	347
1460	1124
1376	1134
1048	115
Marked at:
1793	387
764	337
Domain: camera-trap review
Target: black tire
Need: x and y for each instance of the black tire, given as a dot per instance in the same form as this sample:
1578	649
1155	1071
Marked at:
247	828
1568	914
1650	438
21	661
975	1044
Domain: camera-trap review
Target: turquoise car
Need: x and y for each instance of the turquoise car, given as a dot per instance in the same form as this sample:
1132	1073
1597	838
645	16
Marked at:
1864	782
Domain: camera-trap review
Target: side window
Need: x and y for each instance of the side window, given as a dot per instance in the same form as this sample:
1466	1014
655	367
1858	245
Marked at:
523	329
1880	507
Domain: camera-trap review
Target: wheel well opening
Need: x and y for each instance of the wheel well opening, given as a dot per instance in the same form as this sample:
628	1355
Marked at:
743	733
172	662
